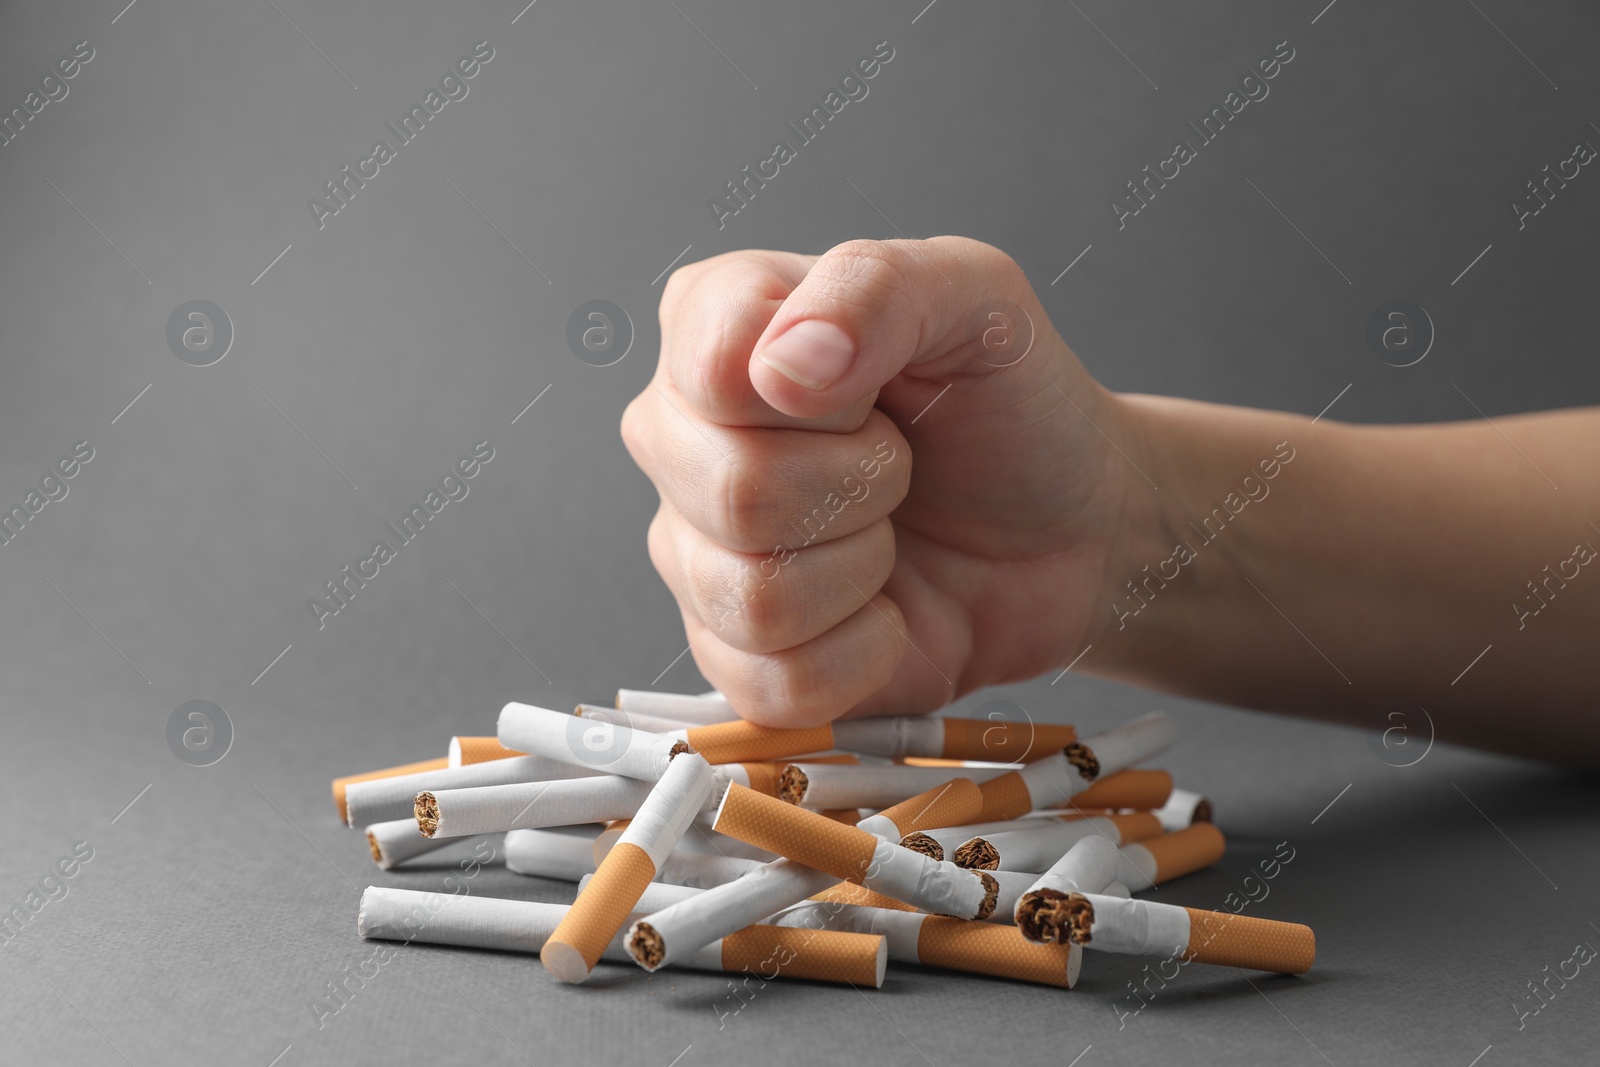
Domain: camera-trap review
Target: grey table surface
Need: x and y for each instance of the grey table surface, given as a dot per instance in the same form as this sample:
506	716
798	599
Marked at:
370	352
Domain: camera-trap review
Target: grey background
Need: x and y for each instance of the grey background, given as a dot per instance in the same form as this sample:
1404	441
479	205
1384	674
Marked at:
180	564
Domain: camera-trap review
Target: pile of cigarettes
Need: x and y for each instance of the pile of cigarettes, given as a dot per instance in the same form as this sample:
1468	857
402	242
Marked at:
699	840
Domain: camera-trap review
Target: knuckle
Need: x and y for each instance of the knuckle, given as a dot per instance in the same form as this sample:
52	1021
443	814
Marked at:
741	512
633	430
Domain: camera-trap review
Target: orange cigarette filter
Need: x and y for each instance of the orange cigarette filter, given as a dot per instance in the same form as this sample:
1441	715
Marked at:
1140	790
955	803
993	949
1005	797
850	893
736	742
1004	742
467	750
820	955
1160	859
796	833
339	784
1247	941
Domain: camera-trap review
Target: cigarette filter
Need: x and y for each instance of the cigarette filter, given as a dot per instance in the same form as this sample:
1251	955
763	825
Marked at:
468	750
730	742
1184	808
673	932
600	911
1065	774
1054	905
1148	928
696	709
563	853
955	944
854	855
600	746
878	785
655	724
527	926
1161	859
340	785
949	804
850	893
953	738
1138	789
1037	847
398	840
384	799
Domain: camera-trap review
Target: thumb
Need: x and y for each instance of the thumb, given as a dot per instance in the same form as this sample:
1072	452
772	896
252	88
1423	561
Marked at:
866	311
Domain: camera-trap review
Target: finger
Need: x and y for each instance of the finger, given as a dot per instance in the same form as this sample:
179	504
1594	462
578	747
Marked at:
752	490
767	603
811	683
866	310
712	314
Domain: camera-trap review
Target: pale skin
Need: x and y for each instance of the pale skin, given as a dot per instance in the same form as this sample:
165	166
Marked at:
1357	577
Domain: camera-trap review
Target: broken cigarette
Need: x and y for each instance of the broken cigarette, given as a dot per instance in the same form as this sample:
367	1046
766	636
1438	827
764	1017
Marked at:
855	855
602	909
465	751
677	930
1037	847
386	799
341	785
1148	928
1161	859
955	944
564	853
1070	772
1054	908
599	746
526	805
705	709
528	926
397	840
953	738
949	804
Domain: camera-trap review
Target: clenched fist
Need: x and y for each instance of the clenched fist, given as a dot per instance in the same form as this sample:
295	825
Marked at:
885	480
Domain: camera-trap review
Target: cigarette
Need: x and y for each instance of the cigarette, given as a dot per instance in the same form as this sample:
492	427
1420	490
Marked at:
526	805
1007	743
634	720
468	750
1161	859
1184	808
674	932
592	743
1070	772
712	707
1139	789
700	871
949	804
731	742
1054	909
767	776
397	840
1038	847
941	842
342	785
528	926
385	799
1148	928
602	909
562	853
880	785
855	855
955	944
1011	886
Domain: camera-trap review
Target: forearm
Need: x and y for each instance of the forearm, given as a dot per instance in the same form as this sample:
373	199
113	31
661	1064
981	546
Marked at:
1367	572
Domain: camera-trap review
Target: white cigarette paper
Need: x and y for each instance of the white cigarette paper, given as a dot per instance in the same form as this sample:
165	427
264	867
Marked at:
1046	911
565	853
671	933
1037	847
527	805
398	840
387	799
1081	764
704	871
598	746
1183	808
700	710
634	720
841	785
